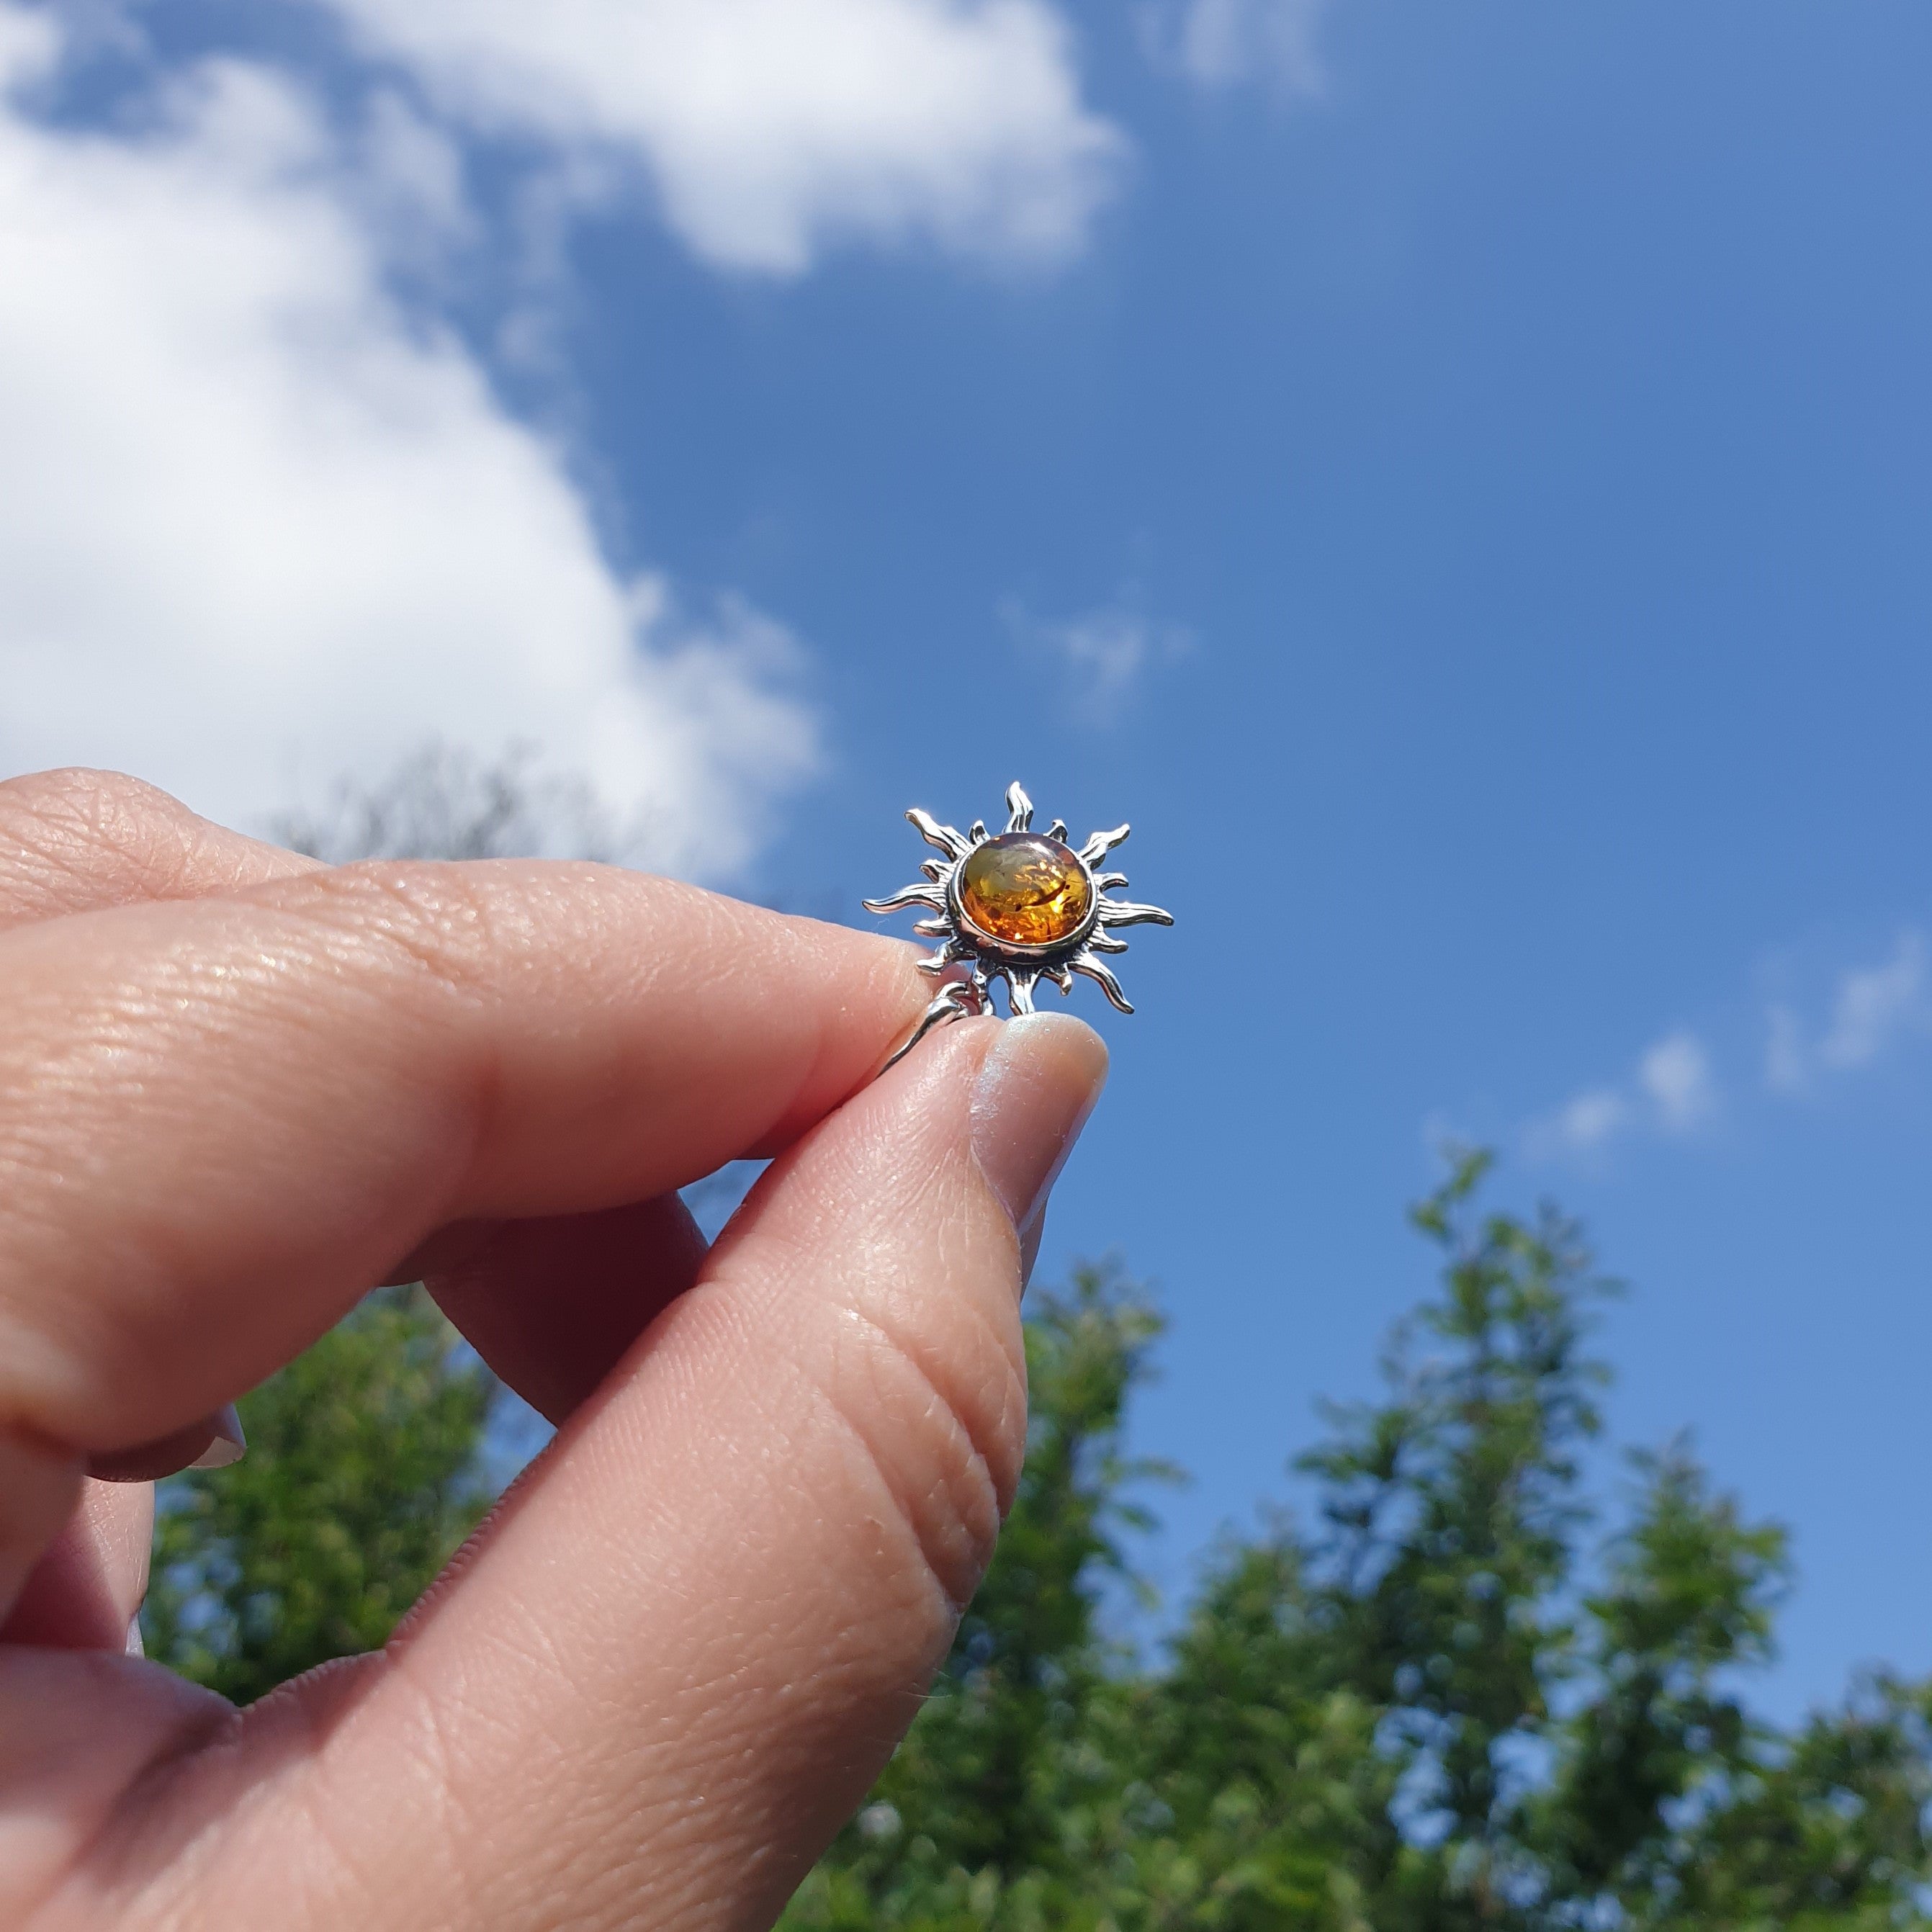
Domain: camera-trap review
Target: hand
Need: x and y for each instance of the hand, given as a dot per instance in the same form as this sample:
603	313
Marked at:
238	1089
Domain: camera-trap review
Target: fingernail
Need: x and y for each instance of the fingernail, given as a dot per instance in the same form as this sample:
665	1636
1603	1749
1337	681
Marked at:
213	1443
229	1445
1034	1092
134	1646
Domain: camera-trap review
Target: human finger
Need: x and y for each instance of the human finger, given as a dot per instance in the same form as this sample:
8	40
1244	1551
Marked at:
671	1667
221	1121
85	1592
213	1441
551	1305
77	840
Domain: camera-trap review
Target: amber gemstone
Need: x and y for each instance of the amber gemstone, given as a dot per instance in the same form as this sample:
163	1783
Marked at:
1028	890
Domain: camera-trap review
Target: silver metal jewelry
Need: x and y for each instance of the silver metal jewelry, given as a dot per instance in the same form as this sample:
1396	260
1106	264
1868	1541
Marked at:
1021	907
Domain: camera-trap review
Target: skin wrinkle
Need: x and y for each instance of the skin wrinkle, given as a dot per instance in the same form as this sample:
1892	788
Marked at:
703	1693
996	1457
66	856
402	1638
159	1023
952	1443
752	1727
424	913
679	1820
541	1643
115	1062
754	1759
431	913
957	1516
993	1461
677	1817
468	1107
360	1893
271	961
480	1710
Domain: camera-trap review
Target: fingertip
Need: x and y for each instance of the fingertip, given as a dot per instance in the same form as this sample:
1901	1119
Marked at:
214	1442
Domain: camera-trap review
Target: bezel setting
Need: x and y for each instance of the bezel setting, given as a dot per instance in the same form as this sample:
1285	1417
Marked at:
1022	954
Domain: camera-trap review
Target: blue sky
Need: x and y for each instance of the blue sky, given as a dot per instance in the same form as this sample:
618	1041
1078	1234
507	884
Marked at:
1456	478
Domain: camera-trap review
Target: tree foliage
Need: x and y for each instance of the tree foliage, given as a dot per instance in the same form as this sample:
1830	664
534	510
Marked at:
1451	1703
442	802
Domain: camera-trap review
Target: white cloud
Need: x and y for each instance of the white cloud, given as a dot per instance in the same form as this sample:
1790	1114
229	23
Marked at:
1872	1009
411	179
773	126
1219	43
260	520
1672	1091
1675	1076
1106	650
1589	1120
1875	1005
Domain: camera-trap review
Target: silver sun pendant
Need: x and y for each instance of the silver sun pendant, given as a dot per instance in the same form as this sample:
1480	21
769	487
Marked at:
1021	907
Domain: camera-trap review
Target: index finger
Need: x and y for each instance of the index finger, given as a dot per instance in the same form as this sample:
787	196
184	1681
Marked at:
220	1121
75	841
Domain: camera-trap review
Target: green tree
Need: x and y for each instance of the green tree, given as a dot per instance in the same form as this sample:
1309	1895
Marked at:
1688	1600
1453	1510
1451	1705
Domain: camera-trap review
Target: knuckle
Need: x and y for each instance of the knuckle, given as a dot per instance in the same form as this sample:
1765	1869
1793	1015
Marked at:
84	796
73	818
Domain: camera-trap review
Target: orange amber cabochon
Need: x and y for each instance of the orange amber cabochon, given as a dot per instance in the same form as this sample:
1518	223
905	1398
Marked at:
1024	888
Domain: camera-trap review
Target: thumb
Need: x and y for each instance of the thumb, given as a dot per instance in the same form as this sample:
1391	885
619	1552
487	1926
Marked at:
673	1667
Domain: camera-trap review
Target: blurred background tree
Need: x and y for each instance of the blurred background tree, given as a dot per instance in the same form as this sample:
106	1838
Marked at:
442	801
1450	1704
1454	1699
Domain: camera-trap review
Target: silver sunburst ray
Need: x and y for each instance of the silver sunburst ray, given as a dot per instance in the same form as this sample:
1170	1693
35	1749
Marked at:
1021	907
